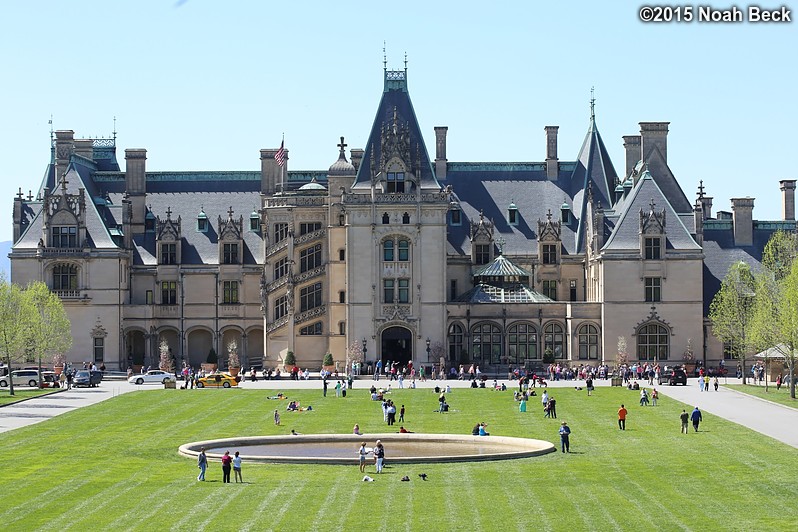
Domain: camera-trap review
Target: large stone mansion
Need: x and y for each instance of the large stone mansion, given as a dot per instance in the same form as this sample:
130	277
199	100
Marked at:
389	251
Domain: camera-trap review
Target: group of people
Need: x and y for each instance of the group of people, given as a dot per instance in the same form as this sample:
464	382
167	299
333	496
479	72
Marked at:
703	382
228	463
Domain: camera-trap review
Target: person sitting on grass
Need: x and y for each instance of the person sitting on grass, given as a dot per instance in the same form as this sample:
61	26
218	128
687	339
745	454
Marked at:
475	430
356	429
403	430
482	431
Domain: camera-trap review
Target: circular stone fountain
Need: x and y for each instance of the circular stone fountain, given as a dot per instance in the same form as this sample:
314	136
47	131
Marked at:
343	448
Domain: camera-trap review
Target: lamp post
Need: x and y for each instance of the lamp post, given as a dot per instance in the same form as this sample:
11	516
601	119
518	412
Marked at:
365	349
428	349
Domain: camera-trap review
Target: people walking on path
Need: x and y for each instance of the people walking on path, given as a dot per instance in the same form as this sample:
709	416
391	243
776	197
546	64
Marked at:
654	397
202	463
237	468
565	433
622	417
684	417
701	383
715	383
695	417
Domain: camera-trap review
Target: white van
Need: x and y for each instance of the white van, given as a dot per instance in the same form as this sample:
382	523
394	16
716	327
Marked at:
22	377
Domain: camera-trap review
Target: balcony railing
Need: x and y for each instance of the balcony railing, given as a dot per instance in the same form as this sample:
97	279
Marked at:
68	294
276	248
277	324
310	314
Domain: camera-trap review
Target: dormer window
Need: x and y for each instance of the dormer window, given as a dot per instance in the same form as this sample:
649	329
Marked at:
653	248
455	217
64	236
549	253
149	222
230	253
168	253
254	221
202	222
565	213
512	214
396	182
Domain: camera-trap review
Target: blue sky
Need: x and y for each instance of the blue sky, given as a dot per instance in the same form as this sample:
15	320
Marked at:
205	84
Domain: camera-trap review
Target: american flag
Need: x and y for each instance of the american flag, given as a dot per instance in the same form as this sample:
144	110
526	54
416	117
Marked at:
280	155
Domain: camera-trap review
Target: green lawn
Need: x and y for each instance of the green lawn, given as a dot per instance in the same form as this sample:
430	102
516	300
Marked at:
21	393
781	396
114	466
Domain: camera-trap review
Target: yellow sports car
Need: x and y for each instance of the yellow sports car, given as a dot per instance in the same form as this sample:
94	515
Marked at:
225	380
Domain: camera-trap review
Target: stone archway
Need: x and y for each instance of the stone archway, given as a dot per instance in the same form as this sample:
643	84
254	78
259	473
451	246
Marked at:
396	345
200	342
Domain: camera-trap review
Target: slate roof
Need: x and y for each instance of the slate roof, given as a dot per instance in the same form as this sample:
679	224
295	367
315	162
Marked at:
396	97
593	170
492	187
667	181
626	232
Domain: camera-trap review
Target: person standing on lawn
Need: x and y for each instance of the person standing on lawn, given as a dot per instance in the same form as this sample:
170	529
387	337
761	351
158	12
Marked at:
622	417
696	418
237	468
202	463
379	455
227	460
565	434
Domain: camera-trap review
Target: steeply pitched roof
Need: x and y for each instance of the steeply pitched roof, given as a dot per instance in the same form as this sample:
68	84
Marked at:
593	170
395	102
626	233
667	181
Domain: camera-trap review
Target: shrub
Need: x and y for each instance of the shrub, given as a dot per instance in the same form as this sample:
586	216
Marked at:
548	357
328	360
290	359
212	357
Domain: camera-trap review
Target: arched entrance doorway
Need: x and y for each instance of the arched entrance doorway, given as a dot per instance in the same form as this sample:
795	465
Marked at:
397	345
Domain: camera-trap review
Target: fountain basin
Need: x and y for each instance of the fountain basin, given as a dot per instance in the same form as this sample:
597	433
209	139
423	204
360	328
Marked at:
410	448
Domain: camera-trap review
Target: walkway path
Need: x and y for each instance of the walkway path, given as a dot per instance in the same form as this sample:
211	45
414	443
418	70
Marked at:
772	419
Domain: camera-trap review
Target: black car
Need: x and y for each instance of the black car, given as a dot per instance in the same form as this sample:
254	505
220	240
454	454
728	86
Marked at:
674	376
87	378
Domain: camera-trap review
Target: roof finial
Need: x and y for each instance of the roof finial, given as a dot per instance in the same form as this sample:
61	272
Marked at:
384	57
230	213
592	104
652	204
500	244
405	62
342	145
51	127
64	181
700	192
114	131
169	212
548	215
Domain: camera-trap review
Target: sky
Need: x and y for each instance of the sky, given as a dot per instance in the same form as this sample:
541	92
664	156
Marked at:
204	85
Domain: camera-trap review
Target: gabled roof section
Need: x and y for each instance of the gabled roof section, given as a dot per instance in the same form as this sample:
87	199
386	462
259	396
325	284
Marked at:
667	181
594	172
626	234
396	109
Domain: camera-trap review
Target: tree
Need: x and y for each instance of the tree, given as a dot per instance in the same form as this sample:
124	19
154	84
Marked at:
232	355
623	353
776	312
732	309
48	331
167	362
13	315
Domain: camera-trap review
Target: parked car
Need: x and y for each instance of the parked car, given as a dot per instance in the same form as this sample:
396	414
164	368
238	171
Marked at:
87	378
50	380
674	375
154	376
225	380
22	377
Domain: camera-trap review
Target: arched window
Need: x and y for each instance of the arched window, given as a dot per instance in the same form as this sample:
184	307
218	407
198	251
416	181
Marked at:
406	218
522	343
653	341
554	340
65	277
455	342
387	251
385	218
588	342
404	251
486	343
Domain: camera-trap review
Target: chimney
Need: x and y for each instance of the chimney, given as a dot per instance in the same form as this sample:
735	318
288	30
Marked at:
64	146
136	187
654	134
356	156
706	207
787	199
272	176
632	145
440	151
743	221
552	166
85	148
698	218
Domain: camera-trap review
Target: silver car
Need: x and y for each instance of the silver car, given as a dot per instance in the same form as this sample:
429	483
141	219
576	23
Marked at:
22	377
154	376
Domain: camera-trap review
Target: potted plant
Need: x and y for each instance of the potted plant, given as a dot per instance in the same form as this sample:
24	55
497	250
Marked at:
548	356
166	362
689	358
58	363
233	362
328	364
289	361
211	363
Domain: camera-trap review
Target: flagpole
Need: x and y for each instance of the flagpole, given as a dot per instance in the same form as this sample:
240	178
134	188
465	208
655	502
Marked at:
282	168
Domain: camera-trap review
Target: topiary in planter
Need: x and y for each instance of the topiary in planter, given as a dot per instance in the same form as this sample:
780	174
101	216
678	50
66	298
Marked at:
289	359
548	357
328	360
